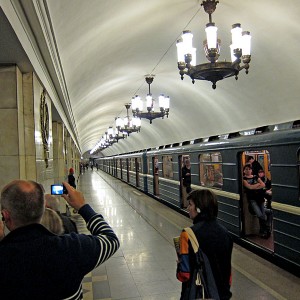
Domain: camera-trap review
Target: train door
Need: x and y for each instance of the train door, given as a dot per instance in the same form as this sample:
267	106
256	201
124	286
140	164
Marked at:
185	179
117	167
127	169
137	171
256	198
155	163
121	168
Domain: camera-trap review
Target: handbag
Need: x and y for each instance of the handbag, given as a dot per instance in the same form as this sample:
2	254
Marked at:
202	283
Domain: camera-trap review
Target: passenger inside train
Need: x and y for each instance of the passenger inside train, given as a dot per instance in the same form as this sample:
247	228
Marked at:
254	188
186	175
267	188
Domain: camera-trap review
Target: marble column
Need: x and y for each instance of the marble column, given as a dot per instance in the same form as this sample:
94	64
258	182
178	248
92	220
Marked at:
12	163
58	152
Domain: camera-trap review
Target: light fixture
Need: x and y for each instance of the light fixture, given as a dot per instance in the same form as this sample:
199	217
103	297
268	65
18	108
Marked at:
128	125
214	70
150	114
115	136
108	139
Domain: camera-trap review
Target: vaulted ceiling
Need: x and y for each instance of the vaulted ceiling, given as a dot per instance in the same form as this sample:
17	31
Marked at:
92	56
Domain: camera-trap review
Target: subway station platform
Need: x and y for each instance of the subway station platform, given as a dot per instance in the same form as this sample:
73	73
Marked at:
144	266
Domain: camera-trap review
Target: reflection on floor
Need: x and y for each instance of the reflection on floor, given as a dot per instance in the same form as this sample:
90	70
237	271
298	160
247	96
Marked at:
144	266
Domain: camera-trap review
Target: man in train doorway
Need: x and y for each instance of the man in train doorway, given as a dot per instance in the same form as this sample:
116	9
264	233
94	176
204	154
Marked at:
255	165
187	176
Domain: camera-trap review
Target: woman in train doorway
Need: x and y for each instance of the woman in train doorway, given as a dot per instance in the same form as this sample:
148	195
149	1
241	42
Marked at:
213	239
254	188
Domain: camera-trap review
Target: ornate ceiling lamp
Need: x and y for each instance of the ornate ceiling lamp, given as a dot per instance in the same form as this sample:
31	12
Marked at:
214	70
150	114
128	125
115	136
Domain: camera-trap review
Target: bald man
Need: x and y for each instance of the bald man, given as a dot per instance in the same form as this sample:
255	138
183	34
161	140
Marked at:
37	264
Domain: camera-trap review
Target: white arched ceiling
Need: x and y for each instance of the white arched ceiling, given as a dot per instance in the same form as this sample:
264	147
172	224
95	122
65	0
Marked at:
106	47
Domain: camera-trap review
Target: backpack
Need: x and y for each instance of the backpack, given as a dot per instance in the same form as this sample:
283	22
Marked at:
202	283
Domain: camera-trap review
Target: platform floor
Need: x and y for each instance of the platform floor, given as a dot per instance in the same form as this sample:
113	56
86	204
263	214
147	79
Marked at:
144	266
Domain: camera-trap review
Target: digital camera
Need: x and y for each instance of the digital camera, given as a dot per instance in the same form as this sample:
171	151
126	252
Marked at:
58	189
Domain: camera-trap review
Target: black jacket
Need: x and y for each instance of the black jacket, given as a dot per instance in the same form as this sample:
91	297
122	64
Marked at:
216	243
36	264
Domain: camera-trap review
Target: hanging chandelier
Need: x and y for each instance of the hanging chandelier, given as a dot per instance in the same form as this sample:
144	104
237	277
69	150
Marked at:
115	136
108	139
150	114
128	125
214	70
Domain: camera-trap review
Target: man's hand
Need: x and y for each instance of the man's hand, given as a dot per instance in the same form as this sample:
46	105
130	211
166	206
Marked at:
74	197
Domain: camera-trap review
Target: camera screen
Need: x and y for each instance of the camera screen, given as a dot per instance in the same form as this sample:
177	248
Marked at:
57	189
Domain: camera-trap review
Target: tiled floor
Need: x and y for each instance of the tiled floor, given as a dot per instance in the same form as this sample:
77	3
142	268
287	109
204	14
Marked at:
144	266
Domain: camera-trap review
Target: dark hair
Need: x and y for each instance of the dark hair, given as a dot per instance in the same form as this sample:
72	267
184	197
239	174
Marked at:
247	166
206	201
250	157
24	200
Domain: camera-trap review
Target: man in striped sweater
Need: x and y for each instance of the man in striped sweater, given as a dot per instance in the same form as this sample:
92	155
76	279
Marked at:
37	264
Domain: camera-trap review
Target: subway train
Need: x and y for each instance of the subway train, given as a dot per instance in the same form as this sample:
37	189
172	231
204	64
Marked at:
217	164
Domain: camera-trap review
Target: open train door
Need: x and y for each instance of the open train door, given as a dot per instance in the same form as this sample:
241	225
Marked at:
137	171
250	223
184	190
155	164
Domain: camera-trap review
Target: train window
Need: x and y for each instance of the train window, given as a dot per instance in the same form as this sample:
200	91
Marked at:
156	165
139	167
131	164
124	167
211	174
168	166
149	165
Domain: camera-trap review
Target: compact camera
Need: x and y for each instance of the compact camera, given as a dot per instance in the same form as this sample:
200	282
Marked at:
58	189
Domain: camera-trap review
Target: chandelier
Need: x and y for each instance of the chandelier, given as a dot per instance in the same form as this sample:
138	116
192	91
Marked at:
150	114
108	139
114	136
128	125
214	70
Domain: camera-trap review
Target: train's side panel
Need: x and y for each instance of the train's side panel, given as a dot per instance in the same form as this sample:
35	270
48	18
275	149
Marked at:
285	202
169	191
230	204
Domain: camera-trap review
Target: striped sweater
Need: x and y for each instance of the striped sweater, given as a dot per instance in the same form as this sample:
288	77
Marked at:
36	264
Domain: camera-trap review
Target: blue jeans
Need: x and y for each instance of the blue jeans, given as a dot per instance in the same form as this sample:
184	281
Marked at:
259	209
262	213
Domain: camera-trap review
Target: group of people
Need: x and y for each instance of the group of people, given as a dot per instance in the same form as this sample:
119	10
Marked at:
259	194
38	264
38	253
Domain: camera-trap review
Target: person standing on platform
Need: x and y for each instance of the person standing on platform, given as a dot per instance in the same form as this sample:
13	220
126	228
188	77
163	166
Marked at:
71	178
37	264
53	203
214	240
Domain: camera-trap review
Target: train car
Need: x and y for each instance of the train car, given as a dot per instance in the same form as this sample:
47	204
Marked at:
217	163
130	168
